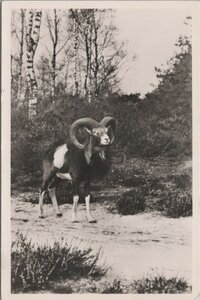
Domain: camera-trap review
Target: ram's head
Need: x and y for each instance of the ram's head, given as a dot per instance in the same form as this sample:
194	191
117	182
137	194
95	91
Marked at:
100	135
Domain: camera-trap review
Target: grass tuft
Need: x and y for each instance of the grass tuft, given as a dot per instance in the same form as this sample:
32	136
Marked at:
33	266
114	288
161	285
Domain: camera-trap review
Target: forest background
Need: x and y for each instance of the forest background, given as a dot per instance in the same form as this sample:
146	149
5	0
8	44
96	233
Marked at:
77	74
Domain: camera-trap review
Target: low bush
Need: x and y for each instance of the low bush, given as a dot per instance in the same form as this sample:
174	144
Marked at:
161	285
176	203
114	288
33	266
147	285
182	181
126	177
131	202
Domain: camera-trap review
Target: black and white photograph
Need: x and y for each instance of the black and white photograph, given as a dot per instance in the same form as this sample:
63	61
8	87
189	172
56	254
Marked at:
100	149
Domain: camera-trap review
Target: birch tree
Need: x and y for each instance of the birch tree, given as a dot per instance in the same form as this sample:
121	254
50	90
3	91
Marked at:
21	94
12	56
17	58
32	39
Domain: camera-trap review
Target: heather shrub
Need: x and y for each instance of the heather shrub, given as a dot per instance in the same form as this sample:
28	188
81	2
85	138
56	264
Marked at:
161	285
131	202
176	203
114	288
128	177
182	181
33	266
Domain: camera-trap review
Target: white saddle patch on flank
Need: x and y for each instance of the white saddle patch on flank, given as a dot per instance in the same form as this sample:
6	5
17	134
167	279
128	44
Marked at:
59	156
64	176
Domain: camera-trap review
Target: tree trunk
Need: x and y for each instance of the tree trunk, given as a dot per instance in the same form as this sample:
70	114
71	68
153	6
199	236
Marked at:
87	65
32	38
53	83
96	58
76	85
54	54
20	94
88	47
90	63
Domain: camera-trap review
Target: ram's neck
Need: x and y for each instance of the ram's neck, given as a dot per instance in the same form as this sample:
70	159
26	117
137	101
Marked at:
89	148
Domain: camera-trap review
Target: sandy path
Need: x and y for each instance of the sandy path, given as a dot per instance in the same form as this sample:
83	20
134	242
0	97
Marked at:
132	245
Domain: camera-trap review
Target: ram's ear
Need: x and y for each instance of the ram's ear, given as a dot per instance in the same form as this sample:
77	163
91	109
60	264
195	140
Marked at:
108	128
88	130
111	134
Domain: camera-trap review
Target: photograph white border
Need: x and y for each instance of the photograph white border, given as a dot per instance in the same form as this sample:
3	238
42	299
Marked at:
7	6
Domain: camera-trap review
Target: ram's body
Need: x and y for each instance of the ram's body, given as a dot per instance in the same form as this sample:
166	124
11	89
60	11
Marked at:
78	164
66	161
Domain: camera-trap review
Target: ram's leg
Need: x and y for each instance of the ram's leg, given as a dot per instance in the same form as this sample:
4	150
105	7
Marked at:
74	208
48	178
41	202
76	184
52	194
88	214
87	202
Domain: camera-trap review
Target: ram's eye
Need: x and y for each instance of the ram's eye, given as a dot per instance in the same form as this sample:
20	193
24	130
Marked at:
95	133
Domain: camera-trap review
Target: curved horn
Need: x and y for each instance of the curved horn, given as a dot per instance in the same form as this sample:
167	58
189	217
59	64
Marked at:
110	121
80	123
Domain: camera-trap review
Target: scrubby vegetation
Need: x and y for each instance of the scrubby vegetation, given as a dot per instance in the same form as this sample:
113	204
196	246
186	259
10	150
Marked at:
158	284
161	285
160	185
176	203
60	268
131	202
34	266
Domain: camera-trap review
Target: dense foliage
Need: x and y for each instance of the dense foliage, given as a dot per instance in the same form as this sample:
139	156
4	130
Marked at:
161	185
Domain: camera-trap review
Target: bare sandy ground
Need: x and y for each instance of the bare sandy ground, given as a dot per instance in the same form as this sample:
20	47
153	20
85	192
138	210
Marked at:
134	246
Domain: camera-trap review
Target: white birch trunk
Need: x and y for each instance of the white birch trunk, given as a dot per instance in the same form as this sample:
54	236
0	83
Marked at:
32	38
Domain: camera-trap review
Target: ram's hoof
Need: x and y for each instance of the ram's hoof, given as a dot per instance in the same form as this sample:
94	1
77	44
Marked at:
59	215
75	221
92	221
